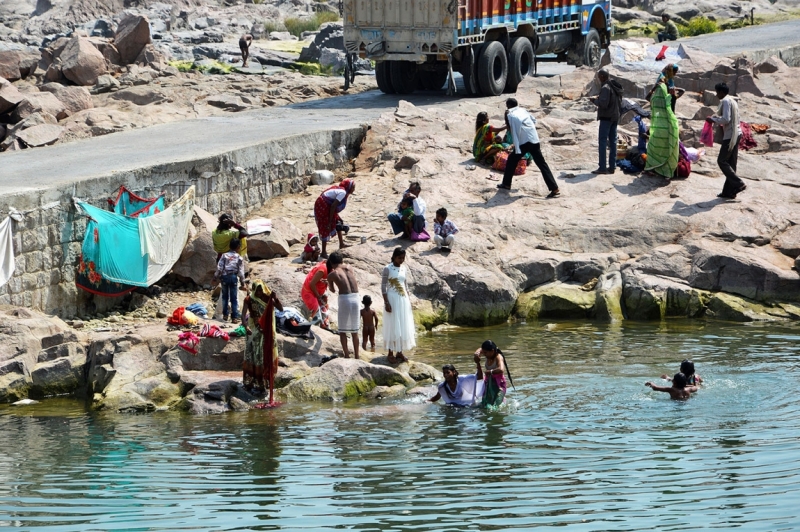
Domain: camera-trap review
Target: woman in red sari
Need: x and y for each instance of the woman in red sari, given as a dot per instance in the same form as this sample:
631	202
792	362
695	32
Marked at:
326	212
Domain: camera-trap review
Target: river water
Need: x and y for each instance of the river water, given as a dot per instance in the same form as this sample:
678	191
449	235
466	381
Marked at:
581	443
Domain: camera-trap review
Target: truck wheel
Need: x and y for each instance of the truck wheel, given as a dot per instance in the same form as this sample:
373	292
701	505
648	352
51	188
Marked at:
592	52
469	71
404	76
432	80
492	69
520	64
383	77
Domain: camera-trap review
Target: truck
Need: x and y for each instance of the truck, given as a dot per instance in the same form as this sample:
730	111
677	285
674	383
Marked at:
494	44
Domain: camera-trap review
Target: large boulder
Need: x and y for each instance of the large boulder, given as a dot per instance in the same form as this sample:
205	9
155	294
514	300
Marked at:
9	65
75	99
608	305
133	34
557	300
729	307
342	379
288	231
9	96
267	246
41	135
198	261
81	62
330	35
38	102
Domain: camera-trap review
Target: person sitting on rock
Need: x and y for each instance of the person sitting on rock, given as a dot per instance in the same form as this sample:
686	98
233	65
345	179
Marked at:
460	391
311	249
407	215
486	143
420	208
244	45
227	230
670	32
444	230
679	388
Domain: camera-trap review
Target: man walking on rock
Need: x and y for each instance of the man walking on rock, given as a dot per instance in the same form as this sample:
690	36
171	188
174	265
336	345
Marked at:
728	117
526	140
342	277
608	110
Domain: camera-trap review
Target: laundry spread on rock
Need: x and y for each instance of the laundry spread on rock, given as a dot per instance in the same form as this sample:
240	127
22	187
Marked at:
6	251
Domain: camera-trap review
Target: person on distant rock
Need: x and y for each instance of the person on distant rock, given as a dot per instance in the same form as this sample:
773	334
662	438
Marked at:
311	249
608	104
230	269
313	294
244	45
670	32
369	323
342	277
679	388
258	318
526	140
226	230
444	230
494	374
418	205
687	368
460	391
663	146
399	333
486	145
728	117
326	213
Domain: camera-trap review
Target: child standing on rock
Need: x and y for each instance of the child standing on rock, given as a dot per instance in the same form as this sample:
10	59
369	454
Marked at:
230	269
369	321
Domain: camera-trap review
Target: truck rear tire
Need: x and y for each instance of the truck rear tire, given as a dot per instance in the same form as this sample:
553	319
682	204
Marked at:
404	76
520	63
592	52
492	69
383	77
469	71
432	80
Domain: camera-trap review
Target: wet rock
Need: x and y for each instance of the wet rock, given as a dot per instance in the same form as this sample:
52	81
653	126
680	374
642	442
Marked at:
41	135
342	379
60	370
728	307
286	376
608	305
556	300
81	62
133	33
383	392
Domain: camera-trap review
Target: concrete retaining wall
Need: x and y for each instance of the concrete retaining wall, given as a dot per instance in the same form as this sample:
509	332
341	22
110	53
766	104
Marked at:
47	242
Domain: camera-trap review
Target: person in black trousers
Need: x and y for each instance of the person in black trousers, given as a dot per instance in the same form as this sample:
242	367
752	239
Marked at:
526	140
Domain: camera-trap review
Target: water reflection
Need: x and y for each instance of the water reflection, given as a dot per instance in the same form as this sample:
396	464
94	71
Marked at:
581	443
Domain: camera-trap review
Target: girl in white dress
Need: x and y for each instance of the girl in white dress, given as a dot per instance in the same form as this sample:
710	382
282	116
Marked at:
399	333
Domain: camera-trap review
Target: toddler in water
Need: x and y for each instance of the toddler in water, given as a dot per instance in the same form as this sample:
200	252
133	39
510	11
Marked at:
679	389
369	320
687	368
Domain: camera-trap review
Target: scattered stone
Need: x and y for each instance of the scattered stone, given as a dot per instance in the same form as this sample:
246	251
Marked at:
105	83
81	62
133	33
9	96
75	99
41	135
229	102
37	102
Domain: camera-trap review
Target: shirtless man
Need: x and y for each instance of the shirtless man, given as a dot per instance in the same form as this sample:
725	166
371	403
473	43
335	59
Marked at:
679	388
342	277
244	45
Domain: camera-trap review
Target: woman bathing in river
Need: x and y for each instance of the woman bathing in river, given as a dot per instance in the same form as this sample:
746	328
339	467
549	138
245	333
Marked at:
493	373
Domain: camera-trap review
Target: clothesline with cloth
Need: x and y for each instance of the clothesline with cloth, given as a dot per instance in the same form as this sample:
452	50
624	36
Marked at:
7	265
121	252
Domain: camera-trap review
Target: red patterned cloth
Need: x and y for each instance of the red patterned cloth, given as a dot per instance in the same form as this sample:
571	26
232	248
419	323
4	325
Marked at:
747	142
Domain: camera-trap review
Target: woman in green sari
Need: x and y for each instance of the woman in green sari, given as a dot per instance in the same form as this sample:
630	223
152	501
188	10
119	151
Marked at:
485	145
662	149
261	351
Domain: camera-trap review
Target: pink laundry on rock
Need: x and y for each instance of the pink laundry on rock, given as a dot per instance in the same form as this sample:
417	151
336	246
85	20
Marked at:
188	342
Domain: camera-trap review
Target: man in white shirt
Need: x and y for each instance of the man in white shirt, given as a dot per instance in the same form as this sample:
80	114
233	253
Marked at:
728	117
523	131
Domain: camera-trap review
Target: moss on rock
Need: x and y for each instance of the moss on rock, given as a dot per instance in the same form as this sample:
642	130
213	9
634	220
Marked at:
556	300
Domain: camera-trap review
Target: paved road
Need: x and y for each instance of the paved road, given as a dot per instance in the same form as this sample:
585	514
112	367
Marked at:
193	139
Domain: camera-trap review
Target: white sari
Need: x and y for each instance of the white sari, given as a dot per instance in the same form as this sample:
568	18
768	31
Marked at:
399	333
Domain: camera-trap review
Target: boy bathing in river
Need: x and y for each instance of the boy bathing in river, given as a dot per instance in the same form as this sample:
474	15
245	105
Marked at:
679	389
369	320
687	368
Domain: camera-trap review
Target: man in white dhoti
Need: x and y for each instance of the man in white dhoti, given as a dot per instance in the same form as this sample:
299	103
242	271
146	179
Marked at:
342	277
460	391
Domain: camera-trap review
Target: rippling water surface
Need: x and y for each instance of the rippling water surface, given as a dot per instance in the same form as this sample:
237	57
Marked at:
581	443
